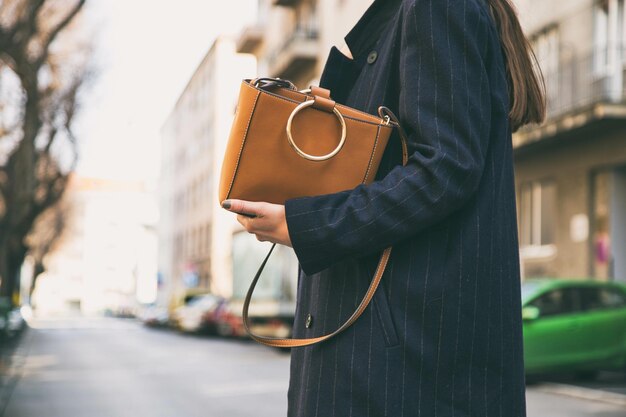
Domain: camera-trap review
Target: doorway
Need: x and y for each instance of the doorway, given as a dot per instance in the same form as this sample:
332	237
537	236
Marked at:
609	224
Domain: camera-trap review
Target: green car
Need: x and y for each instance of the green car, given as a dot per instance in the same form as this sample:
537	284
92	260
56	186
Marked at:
572	325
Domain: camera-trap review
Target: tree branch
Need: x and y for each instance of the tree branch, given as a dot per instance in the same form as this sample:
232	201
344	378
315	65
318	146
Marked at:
56	30
27	23
32	179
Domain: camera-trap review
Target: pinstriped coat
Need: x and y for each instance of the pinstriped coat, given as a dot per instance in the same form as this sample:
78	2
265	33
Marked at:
443	335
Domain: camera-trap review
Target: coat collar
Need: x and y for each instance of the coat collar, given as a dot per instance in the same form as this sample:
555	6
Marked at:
369	27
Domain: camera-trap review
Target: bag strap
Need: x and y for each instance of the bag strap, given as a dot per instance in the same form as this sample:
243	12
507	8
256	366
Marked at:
391	119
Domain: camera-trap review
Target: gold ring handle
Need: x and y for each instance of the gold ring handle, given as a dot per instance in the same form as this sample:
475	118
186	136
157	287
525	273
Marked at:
300	151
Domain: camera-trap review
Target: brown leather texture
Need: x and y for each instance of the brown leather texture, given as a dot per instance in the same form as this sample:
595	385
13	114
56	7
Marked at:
292	342
260	165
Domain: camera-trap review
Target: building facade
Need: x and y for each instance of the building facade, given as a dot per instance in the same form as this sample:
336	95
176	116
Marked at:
291	38
193	142
200	245
106	256
571	170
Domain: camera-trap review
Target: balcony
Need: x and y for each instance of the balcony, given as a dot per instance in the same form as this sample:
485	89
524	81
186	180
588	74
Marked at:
585	93
250	38
287	3
296	55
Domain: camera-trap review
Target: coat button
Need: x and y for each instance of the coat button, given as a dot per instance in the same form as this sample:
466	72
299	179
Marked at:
372	57
309	321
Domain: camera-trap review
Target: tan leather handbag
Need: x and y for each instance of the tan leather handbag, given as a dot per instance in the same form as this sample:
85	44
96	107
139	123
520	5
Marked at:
286	143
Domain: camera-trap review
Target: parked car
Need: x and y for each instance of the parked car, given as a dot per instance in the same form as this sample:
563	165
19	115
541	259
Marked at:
228	322
189	317
574	326
12	321
181	298
5	308
154	316
121	311
15	322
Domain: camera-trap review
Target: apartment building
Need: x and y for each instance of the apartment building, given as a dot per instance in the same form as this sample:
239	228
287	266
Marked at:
200	245
571	170
292	38
193	230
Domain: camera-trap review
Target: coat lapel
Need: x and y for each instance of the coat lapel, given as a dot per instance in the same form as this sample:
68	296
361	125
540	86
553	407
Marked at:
340	72
369	27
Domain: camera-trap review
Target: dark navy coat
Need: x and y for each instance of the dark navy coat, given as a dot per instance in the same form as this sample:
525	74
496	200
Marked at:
443	335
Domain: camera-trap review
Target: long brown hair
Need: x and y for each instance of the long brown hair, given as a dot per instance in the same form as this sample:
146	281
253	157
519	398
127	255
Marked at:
526	83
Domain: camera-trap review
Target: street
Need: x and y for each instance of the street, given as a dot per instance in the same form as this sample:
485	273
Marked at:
105	367
118	368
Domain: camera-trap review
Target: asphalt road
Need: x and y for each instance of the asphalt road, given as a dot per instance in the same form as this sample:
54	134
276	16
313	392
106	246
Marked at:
118	368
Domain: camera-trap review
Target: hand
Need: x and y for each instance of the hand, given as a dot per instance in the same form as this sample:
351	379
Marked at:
269	224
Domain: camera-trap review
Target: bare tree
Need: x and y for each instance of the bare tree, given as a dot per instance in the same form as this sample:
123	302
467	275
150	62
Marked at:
47	234
42	69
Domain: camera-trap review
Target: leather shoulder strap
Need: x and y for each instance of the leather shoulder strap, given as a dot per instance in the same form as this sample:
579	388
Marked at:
380	269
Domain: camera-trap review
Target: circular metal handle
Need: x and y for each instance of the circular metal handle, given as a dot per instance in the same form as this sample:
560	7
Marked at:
300	151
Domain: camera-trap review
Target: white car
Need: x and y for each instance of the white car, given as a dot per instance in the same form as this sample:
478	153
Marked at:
189	318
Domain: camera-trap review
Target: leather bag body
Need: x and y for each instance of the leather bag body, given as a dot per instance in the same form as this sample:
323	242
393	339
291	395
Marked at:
261	165
286	143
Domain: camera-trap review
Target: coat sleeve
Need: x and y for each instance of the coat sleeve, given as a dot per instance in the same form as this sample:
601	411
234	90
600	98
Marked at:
444	107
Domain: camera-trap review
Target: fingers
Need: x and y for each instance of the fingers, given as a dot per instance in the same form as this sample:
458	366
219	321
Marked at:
256	224
264	220
249	208
251	227
246	222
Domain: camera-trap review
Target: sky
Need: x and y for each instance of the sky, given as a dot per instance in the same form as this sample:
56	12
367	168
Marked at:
145	51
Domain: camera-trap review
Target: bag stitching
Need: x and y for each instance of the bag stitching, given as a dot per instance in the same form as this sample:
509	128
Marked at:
259	91
274	95
369	165
243	142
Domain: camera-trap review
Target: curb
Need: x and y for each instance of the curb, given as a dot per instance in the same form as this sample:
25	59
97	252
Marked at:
12	369
584	393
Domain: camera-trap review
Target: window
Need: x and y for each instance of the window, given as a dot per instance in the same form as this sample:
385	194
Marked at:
538	215
591	299
545	44
613	298
558	302
608	34
306	19
279	275
602	298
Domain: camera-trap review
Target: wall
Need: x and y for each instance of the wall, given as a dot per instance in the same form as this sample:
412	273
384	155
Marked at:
570	164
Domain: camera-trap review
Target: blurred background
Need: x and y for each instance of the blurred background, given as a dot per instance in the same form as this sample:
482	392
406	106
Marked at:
122	279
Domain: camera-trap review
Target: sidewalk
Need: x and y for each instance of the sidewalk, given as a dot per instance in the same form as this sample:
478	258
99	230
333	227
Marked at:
607	387
13	352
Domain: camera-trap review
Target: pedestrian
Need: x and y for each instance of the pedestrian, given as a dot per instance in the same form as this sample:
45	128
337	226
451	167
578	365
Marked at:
443	334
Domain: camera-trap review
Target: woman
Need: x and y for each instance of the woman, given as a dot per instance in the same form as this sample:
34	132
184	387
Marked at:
443	335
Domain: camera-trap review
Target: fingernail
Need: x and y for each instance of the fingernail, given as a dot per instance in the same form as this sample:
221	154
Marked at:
226	204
